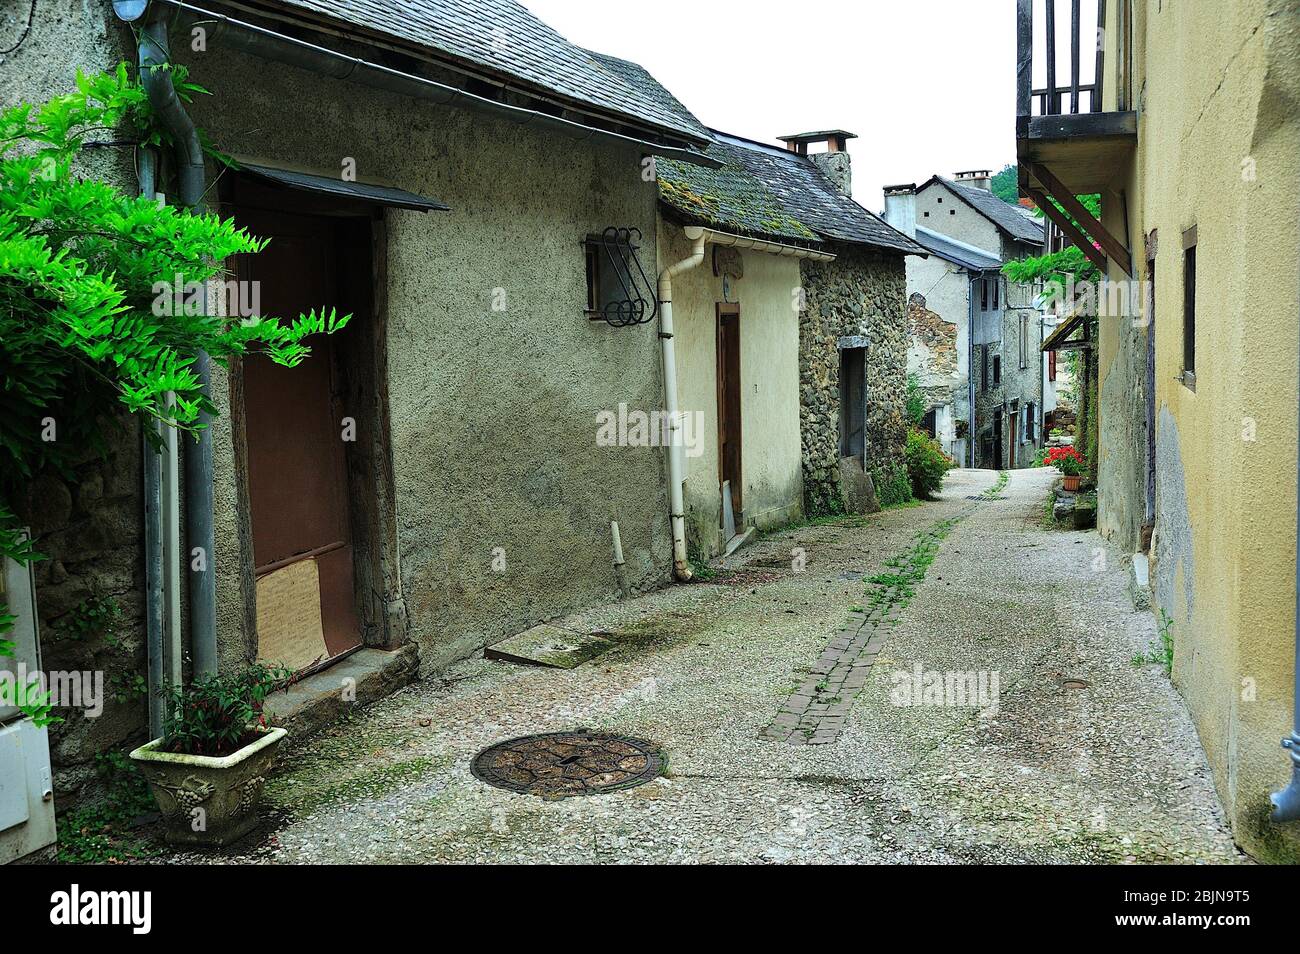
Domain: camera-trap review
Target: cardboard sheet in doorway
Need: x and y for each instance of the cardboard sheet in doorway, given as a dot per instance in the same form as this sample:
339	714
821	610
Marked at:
289	630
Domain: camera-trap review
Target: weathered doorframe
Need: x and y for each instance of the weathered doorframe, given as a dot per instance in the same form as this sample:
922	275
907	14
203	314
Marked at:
729	405
362	373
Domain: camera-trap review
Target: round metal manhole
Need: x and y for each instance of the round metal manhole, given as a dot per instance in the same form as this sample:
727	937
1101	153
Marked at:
1074	684
565	764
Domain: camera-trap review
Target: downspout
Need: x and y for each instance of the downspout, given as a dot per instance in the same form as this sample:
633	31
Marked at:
681	568
152	464
154	57
199	534
971	430
1286	803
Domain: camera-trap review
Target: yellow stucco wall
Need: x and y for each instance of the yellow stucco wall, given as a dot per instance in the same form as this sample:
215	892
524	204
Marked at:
769	373
1217	89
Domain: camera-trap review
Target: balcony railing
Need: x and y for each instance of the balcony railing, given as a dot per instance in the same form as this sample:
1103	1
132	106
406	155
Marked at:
1054	97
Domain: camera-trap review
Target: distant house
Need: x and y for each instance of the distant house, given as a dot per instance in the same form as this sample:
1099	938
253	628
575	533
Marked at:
974	337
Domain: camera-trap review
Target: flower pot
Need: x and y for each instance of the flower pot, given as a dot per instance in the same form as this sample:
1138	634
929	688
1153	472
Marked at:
1071	483
207	800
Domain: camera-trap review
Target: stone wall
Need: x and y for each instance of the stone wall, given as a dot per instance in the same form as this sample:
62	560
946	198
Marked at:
86	521
862	293
932	354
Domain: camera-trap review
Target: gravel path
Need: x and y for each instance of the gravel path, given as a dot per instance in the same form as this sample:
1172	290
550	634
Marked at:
1110	771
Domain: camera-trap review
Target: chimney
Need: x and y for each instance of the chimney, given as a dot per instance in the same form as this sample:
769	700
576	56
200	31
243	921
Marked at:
976	179
834	162
900	207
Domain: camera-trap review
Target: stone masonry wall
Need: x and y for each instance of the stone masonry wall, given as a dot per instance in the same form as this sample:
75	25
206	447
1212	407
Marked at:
861	293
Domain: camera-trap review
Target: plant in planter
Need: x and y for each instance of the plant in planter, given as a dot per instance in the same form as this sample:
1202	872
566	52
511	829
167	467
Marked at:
1069	462
207	770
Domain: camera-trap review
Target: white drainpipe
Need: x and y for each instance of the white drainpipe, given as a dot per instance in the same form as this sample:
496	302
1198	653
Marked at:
681	568
699	237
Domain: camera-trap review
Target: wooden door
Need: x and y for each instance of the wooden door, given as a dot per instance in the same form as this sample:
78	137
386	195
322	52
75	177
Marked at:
1015	443
297	472
729	424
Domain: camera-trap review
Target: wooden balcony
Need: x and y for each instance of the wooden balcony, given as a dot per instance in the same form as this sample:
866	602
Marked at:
1063	124
1067	142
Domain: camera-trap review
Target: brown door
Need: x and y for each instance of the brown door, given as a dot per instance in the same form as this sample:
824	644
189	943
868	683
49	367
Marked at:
297	473
729	402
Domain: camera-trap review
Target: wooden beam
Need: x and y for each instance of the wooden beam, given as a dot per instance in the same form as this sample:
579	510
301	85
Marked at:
1116	249
1024	55
1101	43
1051	59
1081	241
1074	346
1075	56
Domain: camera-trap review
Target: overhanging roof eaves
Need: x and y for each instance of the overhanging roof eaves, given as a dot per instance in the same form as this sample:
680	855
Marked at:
257	40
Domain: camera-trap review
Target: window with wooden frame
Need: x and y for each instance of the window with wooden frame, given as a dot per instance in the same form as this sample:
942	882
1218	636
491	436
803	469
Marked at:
997	370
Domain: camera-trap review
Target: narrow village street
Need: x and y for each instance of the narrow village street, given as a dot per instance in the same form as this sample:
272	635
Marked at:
774	754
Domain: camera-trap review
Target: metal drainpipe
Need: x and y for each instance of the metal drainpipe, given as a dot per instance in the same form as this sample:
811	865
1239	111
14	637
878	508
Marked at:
153	520
1286	803
971	431
677	508
154	53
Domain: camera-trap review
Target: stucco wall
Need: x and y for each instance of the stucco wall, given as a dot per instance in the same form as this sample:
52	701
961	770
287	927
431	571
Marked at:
939	210
771	469
861	293
1219	149
494	413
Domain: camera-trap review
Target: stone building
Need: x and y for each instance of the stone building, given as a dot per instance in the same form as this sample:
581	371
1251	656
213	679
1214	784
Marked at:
432	479
997	369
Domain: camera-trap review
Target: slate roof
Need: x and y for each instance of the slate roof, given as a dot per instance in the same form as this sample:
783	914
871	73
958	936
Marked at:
812	198
730	199
959	253
501	37
1010	219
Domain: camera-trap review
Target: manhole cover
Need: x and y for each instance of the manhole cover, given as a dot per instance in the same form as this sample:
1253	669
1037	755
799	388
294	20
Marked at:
564	764
1074	684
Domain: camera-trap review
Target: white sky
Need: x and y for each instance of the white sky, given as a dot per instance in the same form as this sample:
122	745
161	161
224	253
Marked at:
928	85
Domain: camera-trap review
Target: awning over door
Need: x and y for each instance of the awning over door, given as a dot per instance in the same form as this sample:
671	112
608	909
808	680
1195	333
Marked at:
1057	340
340	188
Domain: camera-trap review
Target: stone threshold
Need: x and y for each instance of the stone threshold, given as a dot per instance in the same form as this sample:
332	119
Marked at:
365	676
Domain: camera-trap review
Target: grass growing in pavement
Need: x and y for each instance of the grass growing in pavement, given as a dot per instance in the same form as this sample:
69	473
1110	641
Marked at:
1161	653
1003	477
908	569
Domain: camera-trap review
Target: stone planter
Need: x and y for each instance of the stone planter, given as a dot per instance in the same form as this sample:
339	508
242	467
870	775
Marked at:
206	800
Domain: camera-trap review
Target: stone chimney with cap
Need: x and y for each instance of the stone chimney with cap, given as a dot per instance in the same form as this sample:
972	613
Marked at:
900	207
834	162
975	178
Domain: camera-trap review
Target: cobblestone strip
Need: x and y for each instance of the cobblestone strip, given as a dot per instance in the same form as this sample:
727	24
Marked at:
814	713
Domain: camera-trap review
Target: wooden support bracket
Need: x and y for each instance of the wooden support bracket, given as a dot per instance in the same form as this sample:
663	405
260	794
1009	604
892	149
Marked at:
1067	226
1116	249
